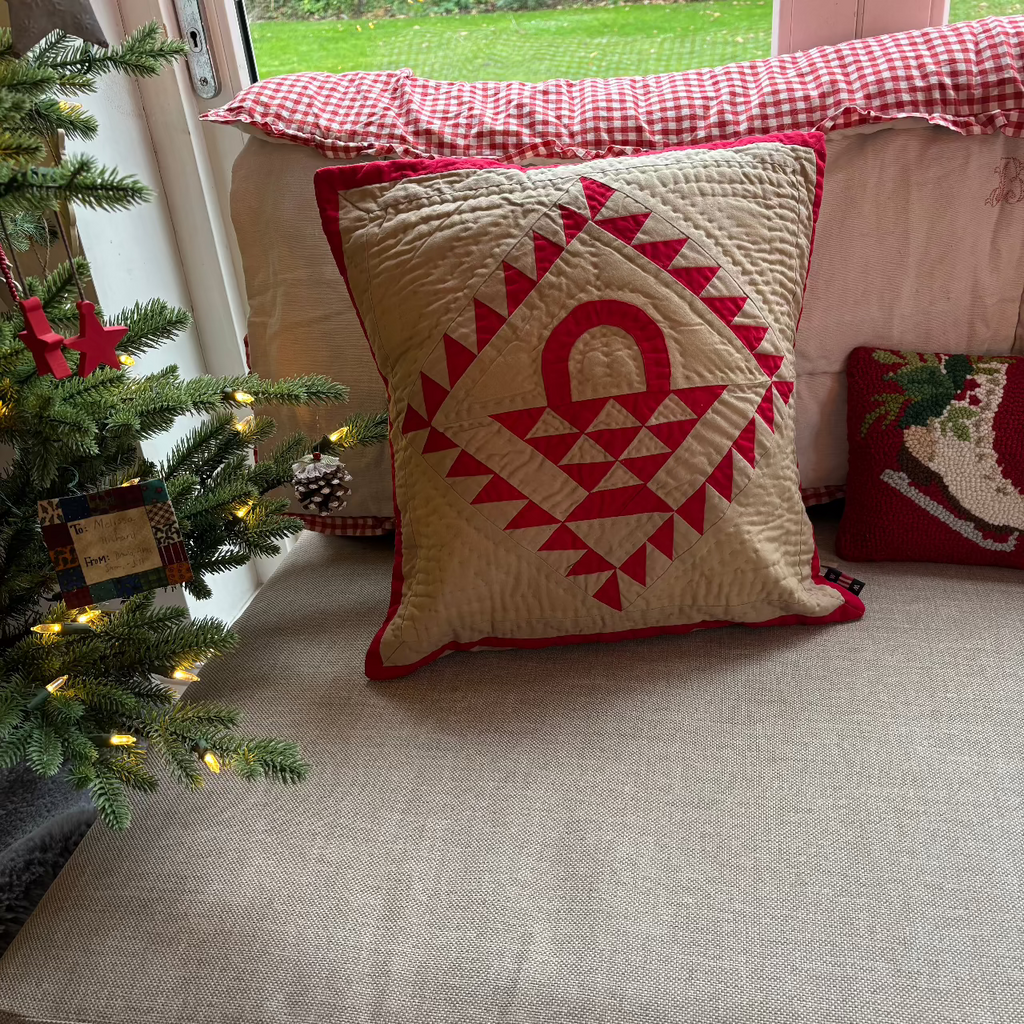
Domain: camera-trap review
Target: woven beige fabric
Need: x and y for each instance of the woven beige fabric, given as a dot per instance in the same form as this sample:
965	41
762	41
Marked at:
786	826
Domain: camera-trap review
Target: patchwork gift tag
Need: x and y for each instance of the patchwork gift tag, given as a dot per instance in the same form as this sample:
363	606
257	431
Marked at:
115	543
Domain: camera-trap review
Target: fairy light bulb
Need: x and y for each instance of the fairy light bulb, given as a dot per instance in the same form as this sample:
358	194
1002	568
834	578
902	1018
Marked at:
121	739
342	436
243	396
243	510
56	684
211	762
129	483
89	615
183	676
243	425
62	627
125	360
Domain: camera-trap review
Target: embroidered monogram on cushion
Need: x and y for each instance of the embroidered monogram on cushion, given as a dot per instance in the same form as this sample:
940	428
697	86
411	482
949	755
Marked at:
936	458
590	378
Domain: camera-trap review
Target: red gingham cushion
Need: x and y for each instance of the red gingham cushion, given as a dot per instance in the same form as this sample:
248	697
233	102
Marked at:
966	77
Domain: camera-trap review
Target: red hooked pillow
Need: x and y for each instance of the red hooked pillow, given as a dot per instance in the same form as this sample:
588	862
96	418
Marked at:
590	377
936	458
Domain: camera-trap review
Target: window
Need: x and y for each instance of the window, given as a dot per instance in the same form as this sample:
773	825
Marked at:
971	10
506	40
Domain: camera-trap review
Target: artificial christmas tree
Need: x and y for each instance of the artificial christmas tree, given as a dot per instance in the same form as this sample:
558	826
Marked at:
86	686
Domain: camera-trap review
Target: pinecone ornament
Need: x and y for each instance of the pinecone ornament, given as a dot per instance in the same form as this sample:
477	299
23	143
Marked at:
320	483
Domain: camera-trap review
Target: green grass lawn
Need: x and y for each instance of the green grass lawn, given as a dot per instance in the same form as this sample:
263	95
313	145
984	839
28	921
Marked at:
533	46
526	46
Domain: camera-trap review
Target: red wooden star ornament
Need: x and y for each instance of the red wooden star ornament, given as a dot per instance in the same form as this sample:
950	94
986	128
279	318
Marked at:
42	341
96	343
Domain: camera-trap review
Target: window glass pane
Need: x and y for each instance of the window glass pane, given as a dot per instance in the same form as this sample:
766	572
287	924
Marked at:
971	10
506	40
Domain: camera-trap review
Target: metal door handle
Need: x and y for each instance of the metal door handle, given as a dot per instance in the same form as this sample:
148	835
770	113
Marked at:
201	68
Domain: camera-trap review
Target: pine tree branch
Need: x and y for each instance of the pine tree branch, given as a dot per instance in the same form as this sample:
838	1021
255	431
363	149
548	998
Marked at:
143	54
79	179
150	324
49	116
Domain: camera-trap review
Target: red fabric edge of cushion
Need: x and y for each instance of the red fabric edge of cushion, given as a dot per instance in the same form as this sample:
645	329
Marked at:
328	183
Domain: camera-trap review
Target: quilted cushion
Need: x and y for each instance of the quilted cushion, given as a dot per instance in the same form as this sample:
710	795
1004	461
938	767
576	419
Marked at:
936	458
590	379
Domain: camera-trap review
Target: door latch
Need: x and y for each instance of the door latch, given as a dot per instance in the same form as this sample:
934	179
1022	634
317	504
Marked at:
201	69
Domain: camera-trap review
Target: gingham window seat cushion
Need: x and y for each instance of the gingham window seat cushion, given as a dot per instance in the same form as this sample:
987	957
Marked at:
965	77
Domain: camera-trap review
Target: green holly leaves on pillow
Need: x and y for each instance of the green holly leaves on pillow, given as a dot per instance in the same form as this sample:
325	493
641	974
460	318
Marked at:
927	386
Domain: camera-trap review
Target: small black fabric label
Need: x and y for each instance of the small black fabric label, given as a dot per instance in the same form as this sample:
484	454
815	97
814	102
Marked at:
842	580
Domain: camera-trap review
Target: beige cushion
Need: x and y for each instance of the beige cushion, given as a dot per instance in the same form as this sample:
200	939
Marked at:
788	826
300	318
920	247
908	255
590	372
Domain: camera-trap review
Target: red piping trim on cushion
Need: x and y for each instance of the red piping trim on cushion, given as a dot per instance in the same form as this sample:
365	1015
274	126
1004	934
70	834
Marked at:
851	609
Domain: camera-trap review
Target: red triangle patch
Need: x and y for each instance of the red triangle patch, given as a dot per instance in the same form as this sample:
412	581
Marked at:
692	510
497	489
699	400
784	388
488	323
581	414
604	504
520	421
646	467
591	562
647	501
466	465
531	514
624	228
438	442
615	440
434	395
770	364
635	567
459	358
608	593
721	476
727	308
673	433
643	404
661	253
745	443
517	286
545	252
414	420
766	409
695	279
663	539
563	539
587	474
573	223
553	447
750	334
597	194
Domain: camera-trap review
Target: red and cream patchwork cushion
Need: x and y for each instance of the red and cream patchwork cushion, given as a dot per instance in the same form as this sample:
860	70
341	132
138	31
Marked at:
936	458
590	374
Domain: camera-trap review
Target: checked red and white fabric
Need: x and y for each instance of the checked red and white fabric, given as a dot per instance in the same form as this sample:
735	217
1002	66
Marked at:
966	77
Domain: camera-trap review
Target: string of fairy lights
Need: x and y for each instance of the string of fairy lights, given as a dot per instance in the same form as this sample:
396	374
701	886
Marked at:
86	621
